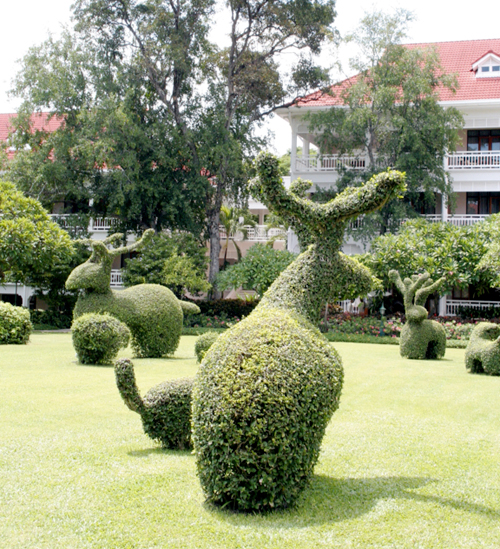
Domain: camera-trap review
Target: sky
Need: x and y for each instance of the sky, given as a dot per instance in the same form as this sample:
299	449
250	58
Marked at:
29	22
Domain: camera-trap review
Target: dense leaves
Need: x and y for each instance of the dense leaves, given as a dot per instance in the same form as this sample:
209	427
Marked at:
482	355
15	324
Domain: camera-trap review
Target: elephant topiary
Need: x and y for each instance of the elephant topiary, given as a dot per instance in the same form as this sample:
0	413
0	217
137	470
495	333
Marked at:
267	387
152	312
483	350
420	338
165	409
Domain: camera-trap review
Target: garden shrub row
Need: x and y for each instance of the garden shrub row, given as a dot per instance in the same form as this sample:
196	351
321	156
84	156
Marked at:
50	319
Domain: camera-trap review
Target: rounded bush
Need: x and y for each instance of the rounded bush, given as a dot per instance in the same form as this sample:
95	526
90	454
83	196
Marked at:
423	341
152	313
262	399
15	324
483	351
165	410
203	343
98	338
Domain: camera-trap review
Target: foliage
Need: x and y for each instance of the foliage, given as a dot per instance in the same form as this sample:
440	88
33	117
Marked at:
235	220
44	319
203	344
257	270
187	263
152	312
483	351
267	387
165	409
441	249
98	338
15	325
31	246
390	114
257	442
420	338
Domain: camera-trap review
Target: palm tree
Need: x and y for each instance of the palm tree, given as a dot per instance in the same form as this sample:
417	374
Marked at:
235	220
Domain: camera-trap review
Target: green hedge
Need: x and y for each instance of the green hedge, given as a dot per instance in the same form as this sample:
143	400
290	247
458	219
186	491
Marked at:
165	410
98	338
483	352
50	319
15	324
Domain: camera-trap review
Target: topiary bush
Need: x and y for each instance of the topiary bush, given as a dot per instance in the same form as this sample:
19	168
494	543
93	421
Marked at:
203	343
165	410
15	324
98	338
267	387
420	338
152	312
483	351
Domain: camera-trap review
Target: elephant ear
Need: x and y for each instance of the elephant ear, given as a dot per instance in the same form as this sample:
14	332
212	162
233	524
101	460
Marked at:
189	308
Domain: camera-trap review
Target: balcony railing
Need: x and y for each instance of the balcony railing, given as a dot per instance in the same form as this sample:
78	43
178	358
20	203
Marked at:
459	220
453	305
116	278
98	224
329	163
473	160
257	233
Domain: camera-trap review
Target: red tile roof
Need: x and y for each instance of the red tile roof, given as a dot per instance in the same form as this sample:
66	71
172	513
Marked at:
40	121
456	58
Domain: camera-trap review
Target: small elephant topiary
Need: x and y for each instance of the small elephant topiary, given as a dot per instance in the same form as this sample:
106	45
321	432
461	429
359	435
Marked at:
267	387
152	312
98	338
483	350
165	409
420	338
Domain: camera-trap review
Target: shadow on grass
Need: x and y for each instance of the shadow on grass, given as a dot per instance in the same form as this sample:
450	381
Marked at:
329	500
158	450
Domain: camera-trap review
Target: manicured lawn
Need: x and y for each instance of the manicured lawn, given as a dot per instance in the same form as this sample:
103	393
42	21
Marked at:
410	460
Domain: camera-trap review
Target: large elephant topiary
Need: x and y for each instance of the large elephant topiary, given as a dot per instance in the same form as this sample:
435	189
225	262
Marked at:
152	312
267	388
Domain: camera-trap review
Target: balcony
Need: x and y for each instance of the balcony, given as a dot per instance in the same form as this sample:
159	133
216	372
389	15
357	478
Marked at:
473	160
96	225
116	278
467	160
259	233
459	220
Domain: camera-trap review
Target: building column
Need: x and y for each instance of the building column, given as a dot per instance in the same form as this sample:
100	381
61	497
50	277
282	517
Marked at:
293	155
442	306
444	208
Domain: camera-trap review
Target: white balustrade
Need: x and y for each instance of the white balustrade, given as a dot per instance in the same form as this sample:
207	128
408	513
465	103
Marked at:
453	305
116	278
98	224
329	163
259	233
473	160
459	220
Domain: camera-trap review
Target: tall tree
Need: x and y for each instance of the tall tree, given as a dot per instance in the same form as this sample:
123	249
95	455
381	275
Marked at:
203	100
389	113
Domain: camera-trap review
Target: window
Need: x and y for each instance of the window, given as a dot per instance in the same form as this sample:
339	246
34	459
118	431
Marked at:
483	140
488	66
483	203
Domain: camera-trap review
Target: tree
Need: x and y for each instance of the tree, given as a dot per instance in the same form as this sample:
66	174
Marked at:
441	249
152	64
176	261
32	247
257	270
235	220
390	115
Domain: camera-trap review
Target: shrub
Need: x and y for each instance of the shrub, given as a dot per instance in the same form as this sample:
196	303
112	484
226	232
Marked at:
263	397
203	343
483	351
98	338
165	410
54	319
15	324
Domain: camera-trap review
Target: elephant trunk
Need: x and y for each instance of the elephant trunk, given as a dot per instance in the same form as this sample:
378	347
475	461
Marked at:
125	381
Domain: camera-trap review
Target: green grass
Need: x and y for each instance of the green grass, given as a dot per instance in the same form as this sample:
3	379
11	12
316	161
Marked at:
410	460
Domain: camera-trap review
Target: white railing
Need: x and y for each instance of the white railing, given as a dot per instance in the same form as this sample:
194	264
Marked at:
473	160
98	224
257	233
453	305
329	163
116	278
459	220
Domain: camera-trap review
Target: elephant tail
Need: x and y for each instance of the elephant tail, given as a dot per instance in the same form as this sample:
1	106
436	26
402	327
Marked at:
189	308
125	381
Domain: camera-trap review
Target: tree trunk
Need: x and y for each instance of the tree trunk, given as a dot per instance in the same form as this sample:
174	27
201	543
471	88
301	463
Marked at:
214	238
